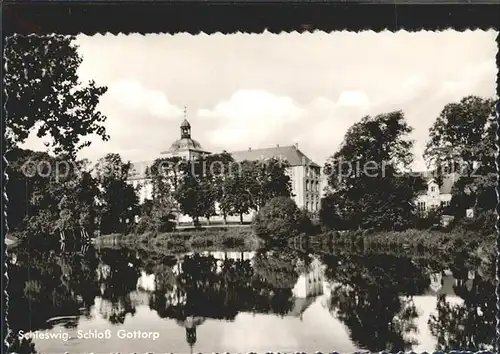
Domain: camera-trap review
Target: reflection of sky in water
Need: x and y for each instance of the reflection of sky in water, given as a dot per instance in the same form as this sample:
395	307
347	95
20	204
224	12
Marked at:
309	326
316	330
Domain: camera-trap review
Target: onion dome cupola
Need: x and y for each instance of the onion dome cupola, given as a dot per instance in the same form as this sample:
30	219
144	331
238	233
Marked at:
185	142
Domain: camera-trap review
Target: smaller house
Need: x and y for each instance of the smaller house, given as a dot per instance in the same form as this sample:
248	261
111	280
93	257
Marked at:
435	196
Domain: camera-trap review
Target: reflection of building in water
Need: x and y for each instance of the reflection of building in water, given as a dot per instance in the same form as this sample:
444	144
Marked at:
310	282
444	282
308	287
190	324
146	282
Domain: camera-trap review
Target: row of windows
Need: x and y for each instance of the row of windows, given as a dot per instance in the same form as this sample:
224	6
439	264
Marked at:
312	206
421	206
313	172
312	186
312	197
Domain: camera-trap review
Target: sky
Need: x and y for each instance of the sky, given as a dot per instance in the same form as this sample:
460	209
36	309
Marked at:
261	90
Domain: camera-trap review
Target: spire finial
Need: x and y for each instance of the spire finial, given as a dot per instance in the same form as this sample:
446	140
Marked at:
185	112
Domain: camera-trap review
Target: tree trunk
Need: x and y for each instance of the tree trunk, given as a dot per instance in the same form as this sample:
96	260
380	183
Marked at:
241	218
224	215
208	220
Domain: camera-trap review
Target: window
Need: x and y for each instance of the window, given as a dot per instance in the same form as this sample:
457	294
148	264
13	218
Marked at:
433	189
307	205
421	207
307	185
317	206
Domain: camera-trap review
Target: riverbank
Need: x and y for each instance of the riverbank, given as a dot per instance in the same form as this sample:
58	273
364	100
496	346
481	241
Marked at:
190	239
409	241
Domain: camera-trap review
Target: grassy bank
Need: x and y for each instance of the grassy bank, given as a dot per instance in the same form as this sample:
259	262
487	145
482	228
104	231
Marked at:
185	240
409	241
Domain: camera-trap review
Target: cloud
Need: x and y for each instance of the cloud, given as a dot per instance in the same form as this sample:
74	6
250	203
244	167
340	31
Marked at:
260	90
261	119
250	115
353	98
131	94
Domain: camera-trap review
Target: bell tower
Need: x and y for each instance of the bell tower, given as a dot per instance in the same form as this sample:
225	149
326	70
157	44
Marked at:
185	127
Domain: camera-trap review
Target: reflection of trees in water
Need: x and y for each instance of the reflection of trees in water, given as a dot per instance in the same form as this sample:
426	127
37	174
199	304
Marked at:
210	288
118	273
43	285
373	299
470	325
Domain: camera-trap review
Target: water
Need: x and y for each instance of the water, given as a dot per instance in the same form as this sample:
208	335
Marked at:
123	300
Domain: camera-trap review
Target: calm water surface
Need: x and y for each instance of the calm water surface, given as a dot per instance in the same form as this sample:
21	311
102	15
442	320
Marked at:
92	300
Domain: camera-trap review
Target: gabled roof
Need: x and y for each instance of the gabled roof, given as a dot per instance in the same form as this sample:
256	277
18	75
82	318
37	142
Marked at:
448	180
292	154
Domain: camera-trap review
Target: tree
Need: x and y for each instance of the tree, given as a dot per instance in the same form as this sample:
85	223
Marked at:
369	186
463	136
165	177
328	215
462	139
265	179
44	94
278	220
23	180
189	195
218	171
237	200
58	195
120	202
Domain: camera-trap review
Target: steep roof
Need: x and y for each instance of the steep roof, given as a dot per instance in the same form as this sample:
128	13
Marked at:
185	123
448	180
292	154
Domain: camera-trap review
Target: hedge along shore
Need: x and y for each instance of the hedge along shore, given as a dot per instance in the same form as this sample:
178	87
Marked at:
482	245
188	239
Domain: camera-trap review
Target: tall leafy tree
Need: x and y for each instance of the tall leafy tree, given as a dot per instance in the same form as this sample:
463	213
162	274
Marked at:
463	136
218	170
366	175
49	194
189	195
237	199
462	140
165	177
45	94
119	199
266	179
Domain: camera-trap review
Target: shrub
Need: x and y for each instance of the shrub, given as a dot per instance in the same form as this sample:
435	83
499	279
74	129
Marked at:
164	223
485	222
278	220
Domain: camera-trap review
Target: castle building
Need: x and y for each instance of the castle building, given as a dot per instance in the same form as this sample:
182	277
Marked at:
305	175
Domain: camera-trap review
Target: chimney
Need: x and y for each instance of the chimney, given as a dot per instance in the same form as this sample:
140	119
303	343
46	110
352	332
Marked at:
249	149
296	145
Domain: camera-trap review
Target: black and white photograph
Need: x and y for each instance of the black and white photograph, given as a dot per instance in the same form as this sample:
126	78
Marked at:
251	193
